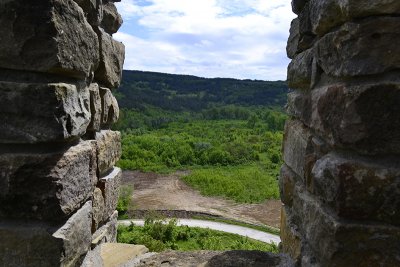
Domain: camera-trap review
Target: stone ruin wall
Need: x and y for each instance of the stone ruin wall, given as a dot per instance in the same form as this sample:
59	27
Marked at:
340	184
58	183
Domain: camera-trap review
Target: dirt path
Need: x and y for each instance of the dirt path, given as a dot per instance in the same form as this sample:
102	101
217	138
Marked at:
154	191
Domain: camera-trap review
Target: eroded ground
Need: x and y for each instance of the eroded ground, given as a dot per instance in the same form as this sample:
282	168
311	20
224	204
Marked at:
154	191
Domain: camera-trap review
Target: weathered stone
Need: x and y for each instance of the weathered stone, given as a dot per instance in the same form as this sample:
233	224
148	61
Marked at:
110	187
300	70
110	109
296	146
98	208
108	149
115	254
112	21
77	236
112	54
287	182
298	5
292	47
49	36
359	188
362	117
291	242
106	233
32	113
46	186
299	105
93	258
336	243
37	244
95	108
361	48
93	10
238	258
327	14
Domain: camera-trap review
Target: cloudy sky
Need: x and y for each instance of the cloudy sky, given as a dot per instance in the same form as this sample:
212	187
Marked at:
243	39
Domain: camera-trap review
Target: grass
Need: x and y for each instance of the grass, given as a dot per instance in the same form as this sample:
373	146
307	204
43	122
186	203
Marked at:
159	235
243	183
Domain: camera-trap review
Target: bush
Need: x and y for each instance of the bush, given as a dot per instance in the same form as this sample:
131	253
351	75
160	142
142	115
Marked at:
124	200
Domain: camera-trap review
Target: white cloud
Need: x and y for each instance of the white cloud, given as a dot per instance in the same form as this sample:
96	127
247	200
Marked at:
235	38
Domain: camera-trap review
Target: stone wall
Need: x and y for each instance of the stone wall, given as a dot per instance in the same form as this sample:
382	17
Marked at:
58	183
340	184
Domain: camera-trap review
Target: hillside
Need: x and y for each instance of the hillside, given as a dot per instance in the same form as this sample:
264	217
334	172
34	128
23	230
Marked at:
190	93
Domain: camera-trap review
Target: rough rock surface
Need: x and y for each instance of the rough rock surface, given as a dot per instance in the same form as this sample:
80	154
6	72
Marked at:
110	187
112	53
110	109
95	108
46	186
108	150
54	112
50	36
111	19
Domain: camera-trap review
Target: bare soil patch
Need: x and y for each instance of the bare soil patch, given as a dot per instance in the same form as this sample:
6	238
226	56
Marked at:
153	191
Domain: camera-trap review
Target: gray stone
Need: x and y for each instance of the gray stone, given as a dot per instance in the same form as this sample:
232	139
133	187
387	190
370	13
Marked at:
108	150
335	242
359	188
106	233
299	105
110	187
93	10
292	47
296	146
291	242
240	258
112	54
360	48
32	113
112	21
326	14
300	70
77	236
38	244
93	258
361	117
110	109
49	36
298	5
95	108
46	186
287	182
98	208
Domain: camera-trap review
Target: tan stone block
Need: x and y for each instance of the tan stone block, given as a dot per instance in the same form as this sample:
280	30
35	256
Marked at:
108	150
110	187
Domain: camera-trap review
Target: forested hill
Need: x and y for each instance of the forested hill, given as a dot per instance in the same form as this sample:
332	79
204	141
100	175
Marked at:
190	93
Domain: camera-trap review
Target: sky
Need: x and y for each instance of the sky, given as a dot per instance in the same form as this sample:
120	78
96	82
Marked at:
244	39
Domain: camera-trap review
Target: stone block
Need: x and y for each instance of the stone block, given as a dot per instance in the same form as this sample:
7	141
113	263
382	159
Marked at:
298	5
327	14
110	109
299	105
359	188
93	10
112	54
287	182
296	146
49	36
110	187
95	108
300	70
344	243
33	113
38	244
361	117
112	21
47	186
115	254
290	238
98	208
106	233
365	47
108	150
292	47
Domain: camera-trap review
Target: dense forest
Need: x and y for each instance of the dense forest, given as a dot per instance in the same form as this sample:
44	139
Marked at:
227	132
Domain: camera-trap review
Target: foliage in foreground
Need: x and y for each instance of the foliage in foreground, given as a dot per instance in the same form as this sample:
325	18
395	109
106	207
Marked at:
124	200
159	235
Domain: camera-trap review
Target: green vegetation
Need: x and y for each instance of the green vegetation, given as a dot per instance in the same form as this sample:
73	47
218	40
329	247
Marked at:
124	201
159	235
227	132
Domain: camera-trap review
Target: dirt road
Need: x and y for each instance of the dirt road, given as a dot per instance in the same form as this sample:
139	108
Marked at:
154	191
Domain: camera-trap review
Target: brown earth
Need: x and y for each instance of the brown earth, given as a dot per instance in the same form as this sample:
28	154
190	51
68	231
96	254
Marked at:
154	191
